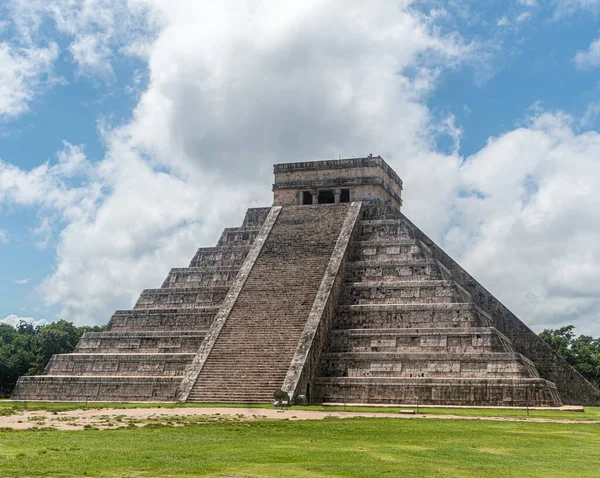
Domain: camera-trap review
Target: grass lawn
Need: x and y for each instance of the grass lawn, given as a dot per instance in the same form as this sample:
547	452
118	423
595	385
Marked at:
358	447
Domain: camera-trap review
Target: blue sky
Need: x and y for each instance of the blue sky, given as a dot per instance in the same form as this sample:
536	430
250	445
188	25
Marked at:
157	123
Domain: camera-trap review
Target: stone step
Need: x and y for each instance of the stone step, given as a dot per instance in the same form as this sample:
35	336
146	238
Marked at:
413	316
378	212
438	391
245	398
396	270
426	365
277	295
382	243
225	400
105	389
220	256
374	229
405	292
170	298
140	342
238	236
106	364
201	277
255	216
197	319
449	340
388	250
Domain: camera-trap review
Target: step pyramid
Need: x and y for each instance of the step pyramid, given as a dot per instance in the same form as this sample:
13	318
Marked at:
330	295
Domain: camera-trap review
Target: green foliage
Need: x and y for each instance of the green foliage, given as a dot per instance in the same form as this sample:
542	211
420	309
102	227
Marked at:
583	352
26	350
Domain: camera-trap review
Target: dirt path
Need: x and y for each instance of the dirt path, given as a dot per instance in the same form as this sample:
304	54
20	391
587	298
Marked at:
110	418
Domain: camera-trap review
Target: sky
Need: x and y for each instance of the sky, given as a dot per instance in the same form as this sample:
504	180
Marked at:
133	131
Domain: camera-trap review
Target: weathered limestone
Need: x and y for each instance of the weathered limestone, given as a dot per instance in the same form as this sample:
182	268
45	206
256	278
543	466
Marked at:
488	391
207	345
346	180
407	332
573	388
256	343
122	389
196	319
140	342
332	294
119	364
310	346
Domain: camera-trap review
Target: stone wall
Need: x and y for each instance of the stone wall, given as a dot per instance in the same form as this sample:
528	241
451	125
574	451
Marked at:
407	332
98	389
369	179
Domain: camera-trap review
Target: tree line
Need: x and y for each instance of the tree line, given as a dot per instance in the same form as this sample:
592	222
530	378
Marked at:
582	353
26	350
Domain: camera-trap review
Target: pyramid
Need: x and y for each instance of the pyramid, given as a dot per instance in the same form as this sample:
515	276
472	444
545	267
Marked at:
330	295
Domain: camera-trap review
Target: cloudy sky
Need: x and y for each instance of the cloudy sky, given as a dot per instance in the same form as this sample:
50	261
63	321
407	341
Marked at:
133	131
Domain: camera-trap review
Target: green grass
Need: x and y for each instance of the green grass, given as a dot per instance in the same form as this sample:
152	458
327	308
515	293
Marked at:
590	413
358	447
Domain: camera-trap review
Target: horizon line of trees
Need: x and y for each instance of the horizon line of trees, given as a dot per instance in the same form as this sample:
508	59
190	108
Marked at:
26	349
582	353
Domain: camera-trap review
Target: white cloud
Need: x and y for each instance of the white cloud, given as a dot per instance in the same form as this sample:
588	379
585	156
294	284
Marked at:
24	72
526	225
589	58
523	17
528	3
21	281
48	185
92	55
15	320
3	237
591	114
96	29
569	7
42	233
503	21
231	91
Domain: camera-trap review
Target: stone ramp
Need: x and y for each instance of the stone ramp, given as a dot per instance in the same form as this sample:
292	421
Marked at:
406	331
251	355
144	353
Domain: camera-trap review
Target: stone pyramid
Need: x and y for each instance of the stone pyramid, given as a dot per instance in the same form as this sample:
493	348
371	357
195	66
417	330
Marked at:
331	294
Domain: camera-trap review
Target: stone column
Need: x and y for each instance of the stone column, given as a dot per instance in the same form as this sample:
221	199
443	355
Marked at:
336	194
315	194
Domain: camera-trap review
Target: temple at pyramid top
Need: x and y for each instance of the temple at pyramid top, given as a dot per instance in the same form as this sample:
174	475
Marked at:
337	181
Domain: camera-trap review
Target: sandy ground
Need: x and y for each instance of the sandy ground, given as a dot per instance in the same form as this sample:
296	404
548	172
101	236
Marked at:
111	418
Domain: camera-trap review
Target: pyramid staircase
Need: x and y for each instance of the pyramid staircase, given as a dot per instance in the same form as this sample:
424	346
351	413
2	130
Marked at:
251	356
406	332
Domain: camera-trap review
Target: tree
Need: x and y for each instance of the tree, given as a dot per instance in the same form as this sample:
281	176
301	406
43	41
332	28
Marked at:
56	338
26	350
582	353
17	354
